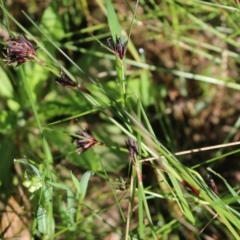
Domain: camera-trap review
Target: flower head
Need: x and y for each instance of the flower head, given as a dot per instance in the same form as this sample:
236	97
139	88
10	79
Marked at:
19	50
211	184
119	47
85	140
132	148
65	81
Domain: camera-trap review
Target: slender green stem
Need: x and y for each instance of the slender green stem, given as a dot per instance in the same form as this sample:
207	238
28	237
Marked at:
121	80
5	17
130	204
48	158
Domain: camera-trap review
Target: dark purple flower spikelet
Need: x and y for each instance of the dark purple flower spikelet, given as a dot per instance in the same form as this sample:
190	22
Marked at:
211	184
119	47
83	89
65	81
19	50
132	147
85	140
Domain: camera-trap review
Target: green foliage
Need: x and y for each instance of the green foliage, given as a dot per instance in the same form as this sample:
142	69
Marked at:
176	89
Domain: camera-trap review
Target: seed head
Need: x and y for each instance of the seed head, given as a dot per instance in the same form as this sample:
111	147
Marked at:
132	147
19	50
211	184
85	140
119	47
65	81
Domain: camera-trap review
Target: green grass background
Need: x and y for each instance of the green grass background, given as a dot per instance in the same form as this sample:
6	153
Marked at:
177	89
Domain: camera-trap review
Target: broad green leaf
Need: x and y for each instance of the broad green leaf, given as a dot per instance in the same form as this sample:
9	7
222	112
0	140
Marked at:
24	161
42	220
84	182
6	89
58	185
51	23
13	105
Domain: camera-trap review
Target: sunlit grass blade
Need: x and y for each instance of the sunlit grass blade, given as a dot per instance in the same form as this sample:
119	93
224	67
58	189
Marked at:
112	20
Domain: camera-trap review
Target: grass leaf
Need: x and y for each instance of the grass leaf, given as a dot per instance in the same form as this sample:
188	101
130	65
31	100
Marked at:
113	22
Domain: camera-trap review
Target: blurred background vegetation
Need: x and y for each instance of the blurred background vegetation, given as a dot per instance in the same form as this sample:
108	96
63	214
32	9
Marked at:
182	64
